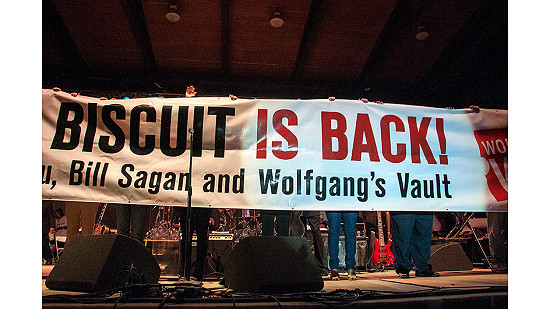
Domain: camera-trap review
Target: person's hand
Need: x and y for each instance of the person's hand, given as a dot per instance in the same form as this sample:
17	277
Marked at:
52	230
190	92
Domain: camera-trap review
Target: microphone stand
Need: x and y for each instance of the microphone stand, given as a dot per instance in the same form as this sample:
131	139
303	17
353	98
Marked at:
186	243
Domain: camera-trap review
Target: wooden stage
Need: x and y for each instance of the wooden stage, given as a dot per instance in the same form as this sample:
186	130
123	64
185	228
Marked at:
477	288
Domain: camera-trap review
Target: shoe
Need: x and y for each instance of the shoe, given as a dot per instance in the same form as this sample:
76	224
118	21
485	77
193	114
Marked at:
499	268
351	274
426	273
334	274
402	272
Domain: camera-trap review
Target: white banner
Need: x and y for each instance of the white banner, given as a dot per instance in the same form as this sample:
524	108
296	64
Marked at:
273	154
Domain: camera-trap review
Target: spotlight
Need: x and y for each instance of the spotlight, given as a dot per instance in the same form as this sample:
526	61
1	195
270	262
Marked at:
276	20
173	15
421	33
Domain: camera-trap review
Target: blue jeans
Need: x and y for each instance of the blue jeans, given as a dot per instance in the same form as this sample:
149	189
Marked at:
412	239
334	228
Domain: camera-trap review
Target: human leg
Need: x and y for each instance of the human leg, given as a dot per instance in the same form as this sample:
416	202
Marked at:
139	214
283	221
201	217
88	212
497	224
47	253
421	242
334	228
123	219
401	230
72	211
314	221
350	230
267	217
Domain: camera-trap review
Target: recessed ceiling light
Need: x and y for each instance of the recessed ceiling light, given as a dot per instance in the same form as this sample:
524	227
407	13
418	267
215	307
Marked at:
172	14
276	20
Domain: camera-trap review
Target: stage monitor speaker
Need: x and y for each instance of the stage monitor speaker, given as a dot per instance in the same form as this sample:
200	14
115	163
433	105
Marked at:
449	256
97	263
272	265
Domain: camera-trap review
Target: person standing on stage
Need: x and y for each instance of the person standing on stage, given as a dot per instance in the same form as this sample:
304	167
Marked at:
334	229
497	228
200	218
411	243
268	222
314	220
48	226
131	220
60	223
80	215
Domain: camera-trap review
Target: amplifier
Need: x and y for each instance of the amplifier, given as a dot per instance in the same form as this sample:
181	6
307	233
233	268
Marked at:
216	236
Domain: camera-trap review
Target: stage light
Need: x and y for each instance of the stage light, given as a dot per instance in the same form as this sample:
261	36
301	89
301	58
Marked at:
421	33
173	15
276	20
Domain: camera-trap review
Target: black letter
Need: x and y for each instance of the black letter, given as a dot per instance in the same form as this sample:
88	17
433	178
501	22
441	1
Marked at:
120	113
90	129
238	182
379	184
198	115
403	187
64	123
268	180
76	171
181	135
135	120
221	113
128	177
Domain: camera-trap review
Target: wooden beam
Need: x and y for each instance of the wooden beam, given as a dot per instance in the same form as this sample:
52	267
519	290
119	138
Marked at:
54	29
225	6
136	18
394	32
317	12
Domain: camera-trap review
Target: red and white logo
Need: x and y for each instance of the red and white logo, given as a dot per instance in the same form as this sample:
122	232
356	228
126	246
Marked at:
493	147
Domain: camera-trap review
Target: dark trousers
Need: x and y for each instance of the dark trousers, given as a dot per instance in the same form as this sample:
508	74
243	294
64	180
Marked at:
199	224
268	224
497	225
314	220
47	252
412	239
132	220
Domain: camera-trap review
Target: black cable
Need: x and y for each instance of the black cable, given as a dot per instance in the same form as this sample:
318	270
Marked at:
171	295
122	295
278	302
181	290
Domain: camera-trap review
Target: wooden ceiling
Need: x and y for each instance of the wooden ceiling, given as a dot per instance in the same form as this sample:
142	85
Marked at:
342	48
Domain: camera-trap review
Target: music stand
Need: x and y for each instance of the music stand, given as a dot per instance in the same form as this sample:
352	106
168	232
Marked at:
463	220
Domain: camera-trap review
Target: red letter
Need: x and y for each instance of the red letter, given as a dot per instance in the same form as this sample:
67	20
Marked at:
386	142
327	133
261	136
418	140
285	133
363	128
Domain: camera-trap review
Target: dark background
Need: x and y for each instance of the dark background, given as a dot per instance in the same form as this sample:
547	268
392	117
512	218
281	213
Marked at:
346	49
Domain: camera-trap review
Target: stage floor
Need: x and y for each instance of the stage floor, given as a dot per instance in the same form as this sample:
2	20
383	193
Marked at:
477	288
